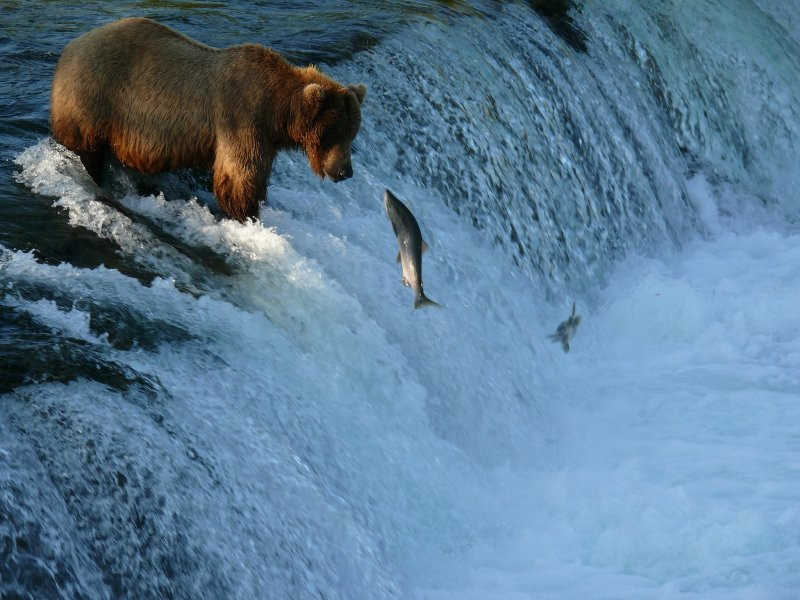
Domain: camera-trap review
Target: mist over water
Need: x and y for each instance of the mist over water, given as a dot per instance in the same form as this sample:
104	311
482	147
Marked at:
193	407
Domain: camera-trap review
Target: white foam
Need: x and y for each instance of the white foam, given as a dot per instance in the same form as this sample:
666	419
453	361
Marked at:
72	322
453	453
313	352
701	195
51	170
677	471
461	451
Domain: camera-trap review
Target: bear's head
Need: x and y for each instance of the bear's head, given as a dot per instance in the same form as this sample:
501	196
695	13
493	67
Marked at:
330	116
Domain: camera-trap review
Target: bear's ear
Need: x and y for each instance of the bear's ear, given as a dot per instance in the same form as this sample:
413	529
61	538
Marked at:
314	94
360	90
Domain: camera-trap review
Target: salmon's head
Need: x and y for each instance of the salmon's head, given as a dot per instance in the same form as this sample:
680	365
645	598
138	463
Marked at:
390	202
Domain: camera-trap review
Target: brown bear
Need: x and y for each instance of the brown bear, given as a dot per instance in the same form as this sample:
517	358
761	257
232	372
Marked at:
160	100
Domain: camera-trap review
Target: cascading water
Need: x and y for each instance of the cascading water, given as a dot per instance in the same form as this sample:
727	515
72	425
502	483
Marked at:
198	408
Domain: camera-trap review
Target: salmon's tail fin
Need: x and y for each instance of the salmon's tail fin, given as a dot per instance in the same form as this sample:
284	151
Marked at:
423	300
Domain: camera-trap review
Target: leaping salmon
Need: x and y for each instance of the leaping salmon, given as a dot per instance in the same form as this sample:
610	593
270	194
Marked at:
566	330
409	238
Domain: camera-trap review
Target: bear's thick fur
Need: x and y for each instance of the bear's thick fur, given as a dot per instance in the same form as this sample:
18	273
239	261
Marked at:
160	100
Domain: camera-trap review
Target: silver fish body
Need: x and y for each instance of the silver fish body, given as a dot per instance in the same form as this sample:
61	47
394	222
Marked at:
566	329
409	238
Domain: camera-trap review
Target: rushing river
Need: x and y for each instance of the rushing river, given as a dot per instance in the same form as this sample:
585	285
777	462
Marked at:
196	408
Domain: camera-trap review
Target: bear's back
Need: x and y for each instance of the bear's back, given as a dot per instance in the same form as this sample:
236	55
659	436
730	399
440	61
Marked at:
133	50
143	88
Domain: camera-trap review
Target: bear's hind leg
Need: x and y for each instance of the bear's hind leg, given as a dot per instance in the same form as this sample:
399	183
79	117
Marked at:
94	161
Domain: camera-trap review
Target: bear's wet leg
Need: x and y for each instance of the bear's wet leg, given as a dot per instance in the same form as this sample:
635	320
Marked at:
239	190
237	204
94	161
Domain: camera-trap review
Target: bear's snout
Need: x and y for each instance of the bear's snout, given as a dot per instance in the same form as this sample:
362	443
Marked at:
345	172
339	172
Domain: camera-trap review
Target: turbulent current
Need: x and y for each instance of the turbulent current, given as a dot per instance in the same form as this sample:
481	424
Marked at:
196	408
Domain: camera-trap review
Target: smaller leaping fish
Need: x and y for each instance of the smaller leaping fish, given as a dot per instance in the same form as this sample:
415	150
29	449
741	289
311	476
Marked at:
566	330
409	237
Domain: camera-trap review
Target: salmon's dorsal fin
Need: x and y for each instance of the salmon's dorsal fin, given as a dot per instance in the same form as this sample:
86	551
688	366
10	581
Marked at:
398	257
424	246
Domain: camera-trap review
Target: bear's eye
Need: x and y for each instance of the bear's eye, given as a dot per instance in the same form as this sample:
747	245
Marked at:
329	138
